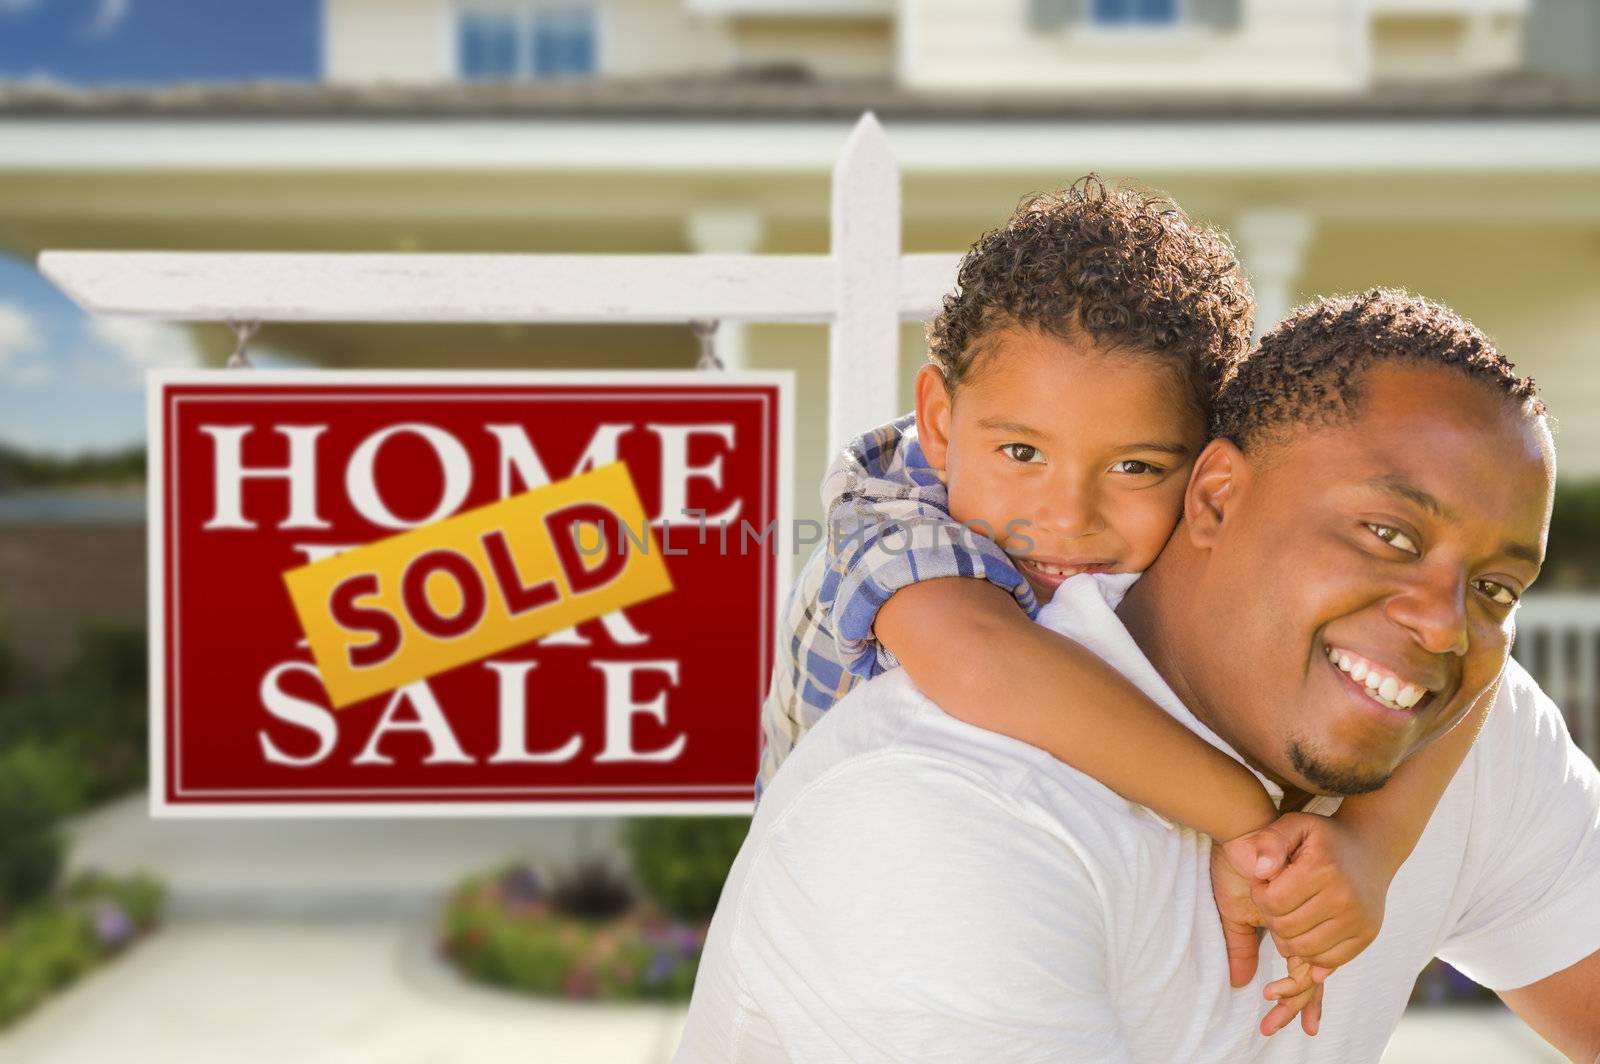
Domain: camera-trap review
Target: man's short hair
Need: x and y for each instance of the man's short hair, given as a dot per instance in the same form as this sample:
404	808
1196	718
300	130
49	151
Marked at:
1123	267
1308	369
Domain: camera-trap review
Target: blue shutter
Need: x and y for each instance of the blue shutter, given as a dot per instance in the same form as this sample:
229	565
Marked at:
1134	12
486	45
564	42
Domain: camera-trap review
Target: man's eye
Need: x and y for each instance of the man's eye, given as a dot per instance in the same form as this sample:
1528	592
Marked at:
1022	452
1394	537
1498	592
1136	468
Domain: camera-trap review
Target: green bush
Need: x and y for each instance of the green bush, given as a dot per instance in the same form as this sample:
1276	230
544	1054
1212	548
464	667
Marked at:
95	712
138	895
38	785
1573	553
8	668
49	944
682	862
40	951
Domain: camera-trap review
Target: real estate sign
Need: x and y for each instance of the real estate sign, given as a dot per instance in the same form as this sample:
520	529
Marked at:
463	593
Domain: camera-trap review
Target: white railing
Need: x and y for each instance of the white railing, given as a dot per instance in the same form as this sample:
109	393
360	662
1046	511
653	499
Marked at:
1558	641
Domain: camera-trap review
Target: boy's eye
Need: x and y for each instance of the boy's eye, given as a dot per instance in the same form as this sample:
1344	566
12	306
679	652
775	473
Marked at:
1136	468
1022	452
1394	537
1498	592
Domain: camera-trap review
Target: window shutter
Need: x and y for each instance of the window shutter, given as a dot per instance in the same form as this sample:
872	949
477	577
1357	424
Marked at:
1217	14
1046	15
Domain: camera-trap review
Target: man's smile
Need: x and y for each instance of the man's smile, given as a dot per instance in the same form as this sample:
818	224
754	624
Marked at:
1404	696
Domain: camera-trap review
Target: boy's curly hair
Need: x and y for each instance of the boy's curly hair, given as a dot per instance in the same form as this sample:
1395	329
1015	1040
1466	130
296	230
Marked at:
1124	267
1308	369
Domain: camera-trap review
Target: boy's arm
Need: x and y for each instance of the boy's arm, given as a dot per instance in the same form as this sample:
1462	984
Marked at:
889	526
971	650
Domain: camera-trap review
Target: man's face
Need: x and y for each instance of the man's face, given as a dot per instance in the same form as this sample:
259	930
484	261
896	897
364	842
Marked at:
1395	545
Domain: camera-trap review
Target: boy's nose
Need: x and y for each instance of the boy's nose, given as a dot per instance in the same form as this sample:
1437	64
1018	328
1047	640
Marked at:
1072	510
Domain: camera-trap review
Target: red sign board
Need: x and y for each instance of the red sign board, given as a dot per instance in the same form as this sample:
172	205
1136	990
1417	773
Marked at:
654	706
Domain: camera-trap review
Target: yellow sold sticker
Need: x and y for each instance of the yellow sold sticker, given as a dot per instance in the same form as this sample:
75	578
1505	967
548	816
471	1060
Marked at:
429	599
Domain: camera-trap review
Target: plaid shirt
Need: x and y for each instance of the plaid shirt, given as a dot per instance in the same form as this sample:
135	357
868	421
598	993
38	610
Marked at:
889	525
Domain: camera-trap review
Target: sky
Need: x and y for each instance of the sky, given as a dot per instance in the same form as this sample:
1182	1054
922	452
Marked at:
71	382
159	42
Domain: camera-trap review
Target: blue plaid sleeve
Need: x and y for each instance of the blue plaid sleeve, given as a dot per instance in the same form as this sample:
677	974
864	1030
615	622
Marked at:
889	526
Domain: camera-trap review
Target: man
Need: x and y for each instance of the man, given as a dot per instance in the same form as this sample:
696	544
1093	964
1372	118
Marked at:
917	889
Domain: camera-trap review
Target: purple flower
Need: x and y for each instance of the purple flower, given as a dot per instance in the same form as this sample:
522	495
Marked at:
521	885
112	926
662	965
686	939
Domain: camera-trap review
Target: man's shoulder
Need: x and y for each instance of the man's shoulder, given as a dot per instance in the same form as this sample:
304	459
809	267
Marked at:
888	791
1522	721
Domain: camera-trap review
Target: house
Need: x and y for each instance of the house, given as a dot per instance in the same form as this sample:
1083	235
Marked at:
1447	146
1443	145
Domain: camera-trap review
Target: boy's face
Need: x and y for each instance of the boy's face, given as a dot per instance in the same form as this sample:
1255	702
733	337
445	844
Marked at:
1075	457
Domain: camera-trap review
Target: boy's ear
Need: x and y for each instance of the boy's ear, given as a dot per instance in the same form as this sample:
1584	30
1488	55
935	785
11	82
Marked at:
933	415
1221	474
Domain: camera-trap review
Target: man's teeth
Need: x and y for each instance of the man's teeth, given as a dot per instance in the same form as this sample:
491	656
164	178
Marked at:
1385	689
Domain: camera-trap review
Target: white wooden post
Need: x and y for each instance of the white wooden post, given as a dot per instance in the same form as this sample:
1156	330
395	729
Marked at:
864	343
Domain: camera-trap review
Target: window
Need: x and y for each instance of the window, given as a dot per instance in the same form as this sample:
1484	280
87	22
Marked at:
540	41
1134	12
562	42
486	45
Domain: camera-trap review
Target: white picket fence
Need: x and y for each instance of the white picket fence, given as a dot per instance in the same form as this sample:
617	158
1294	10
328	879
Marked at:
1558	641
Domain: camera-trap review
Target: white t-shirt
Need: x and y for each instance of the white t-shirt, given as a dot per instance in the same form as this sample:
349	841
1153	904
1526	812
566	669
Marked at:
917	889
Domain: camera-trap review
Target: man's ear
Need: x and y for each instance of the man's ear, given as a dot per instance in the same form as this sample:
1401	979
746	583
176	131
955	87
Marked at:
933	415
1221	474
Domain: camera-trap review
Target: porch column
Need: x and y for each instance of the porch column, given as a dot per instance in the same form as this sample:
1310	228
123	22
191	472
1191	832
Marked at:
1272	246
726	231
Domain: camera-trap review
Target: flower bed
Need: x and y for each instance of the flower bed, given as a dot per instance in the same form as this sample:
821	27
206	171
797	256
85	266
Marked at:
504	929
591	932
49	944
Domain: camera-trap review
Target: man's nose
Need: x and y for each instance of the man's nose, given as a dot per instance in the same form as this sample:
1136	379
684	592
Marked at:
1433	607
1072	508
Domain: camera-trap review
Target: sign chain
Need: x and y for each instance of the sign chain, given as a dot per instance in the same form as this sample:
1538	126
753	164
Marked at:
705	332
243	331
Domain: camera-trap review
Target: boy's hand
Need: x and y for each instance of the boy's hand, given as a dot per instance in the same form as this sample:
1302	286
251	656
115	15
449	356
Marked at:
1233	869
1320	892
1238	867
1233	876
1326	904
1296	994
